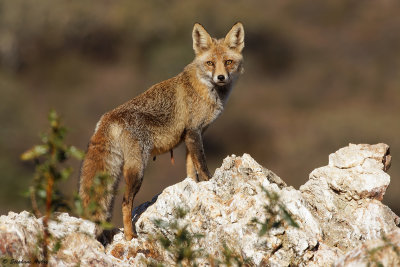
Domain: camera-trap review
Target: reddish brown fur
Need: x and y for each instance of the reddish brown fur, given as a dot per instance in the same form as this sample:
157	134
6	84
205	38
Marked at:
173	111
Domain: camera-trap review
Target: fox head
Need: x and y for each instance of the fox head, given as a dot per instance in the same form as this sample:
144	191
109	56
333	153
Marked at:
218	61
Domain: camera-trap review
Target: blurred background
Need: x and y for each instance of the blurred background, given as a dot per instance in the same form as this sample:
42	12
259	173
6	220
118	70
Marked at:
318	75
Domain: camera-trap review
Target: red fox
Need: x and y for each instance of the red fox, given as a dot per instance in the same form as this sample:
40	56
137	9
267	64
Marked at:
171	112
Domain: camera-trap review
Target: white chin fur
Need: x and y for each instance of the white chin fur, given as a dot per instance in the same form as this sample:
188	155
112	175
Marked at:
205	81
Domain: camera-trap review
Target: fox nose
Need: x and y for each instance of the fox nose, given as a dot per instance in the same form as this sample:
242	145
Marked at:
221	78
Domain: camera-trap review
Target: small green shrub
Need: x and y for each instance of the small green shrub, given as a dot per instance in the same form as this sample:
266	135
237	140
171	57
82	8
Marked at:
231	258
46	198
48	158
372	254
276	214
181	245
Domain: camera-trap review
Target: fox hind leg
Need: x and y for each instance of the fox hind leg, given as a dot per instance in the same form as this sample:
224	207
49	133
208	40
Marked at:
133	178
98	161
135	160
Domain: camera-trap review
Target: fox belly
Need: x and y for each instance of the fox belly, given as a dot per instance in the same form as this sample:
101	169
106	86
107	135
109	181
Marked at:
164	141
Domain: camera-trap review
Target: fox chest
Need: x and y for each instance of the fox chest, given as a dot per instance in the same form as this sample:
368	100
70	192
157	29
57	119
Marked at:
204	115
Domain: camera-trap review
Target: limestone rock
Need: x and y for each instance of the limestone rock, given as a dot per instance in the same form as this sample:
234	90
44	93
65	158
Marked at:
384	251
345	196
338	210
19	235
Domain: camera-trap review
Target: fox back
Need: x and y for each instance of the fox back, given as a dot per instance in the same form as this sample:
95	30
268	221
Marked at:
168	113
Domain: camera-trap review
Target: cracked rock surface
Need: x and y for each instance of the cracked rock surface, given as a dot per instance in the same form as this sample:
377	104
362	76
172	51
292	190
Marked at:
338	210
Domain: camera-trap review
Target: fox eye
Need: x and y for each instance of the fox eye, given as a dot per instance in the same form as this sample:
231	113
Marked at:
228	62
210	63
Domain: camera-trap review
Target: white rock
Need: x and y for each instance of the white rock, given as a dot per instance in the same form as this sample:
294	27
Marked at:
338	211
382	250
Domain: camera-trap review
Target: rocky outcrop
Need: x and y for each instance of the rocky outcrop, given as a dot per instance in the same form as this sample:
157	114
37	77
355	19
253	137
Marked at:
20	236
378	252
339	212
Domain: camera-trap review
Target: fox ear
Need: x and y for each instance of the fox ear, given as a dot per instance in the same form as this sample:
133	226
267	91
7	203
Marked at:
235	37
201	39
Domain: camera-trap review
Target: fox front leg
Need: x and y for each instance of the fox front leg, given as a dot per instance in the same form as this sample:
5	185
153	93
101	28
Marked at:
194	146
190	169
